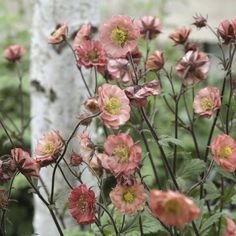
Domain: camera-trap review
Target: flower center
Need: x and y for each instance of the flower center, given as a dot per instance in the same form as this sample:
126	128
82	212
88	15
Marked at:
207	104
92	55
82	204
113	106
225	152
122	152
172	207
49	147
119	35
128	196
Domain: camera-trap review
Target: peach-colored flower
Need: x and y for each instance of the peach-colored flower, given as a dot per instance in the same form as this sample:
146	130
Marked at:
119	36
128	199
206	101
138	94
86	144
91	104
227	30
223	149
114	106
82	35
231	228
48	148
14	52
91	54
193	66
150	27
173	208
82	204
75	159
180	36
26	164
121	155
59	34
155	61
7	170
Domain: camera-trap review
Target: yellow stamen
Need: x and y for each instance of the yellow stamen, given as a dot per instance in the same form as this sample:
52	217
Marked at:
122	152
113	106
49	147
225	152
119	35
172	207
82	204
207	103
129	196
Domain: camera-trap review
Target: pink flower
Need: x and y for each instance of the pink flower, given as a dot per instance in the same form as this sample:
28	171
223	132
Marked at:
207	101
119	36
194	66
155	61
114	106
121	155
14	52
59	34
180	36
223	149
128	199
48	148
227	30
173	208
26	164
91	54
7	170
75	159
138	94
86	145
150	27
231	228
82	204
82	35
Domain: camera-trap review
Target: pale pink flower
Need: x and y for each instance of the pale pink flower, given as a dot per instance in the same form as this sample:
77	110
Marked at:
180	36
223	150
231	228
86	144
14	52
26	164
227	30
59	34
155	61
91	54
48	148
119	36
138	94
150	27
122	155
206	101
173	208
193	66
82	35
128	199
82	204
114	106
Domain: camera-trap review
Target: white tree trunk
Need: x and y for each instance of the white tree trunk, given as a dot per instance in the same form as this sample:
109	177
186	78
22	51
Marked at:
57	91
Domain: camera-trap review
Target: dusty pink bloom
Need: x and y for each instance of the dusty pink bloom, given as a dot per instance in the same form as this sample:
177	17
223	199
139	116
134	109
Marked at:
120	69
14	52
3	199
206	101
91	104
114	106
26	164
180	36
82	35
150	27
155	61
227	30
48	148
59	34
7	170
96	165
231	228
191	46
173	208
86	144
119	36
193	66
82	204
200	21
128	199
138	94
223	150
75	159
121	155
91	54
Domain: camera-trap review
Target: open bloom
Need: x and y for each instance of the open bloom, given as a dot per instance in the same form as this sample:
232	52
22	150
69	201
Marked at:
119	36
82	35
150	27
223	149
206	101
193	67
231	228
155	61
82	204
48	148
90	53
180	36
114	106
173	208
26	164
128	199
58	35
227	30
14	52
121	155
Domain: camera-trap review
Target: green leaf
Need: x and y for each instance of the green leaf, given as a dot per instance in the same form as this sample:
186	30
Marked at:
225	174
210	221
233	200
165	140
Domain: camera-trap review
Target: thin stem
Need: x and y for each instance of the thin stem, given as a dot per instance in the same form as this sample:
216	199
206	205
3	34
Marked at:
8	135
141	225
96	80
133	67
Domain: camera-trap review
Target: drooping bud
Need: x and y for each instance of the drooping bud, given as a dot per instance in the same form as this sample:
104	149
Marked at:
180	36
155	61
200	21
75	159
14	53
91	104
59	34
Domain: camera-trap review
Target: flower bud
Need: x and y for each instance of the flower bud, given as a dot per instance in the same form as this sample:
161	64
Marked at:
75	159
155	61
180	36
14	52
92	104
200	21
96	165
227	30
59	34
